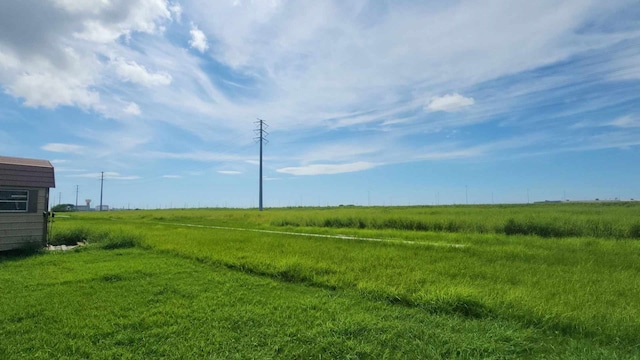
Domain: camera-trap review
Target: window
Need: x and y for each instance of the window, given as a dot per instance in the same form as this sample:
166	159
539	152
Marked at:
14	200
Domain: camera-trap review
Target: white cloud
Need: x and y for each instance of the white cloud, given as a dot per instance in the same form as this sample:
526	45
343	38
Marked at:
626	122
349	68
63	169
327	169
60	61
198	39
106	21
50	91
44	84
203	156
133	109
63	148
229	172
107	175
59	161
448	150
176	10
449	103
171	176
138	74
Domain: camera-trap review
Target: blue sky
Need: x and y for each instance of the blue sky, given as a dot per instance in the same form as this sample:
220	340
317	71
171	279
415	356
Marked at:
368	102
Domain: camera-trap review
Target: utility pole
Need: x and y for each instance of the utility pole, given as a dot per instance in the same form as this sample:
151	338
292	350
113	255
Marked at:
261	137
77	187
101	186
466	195
59	198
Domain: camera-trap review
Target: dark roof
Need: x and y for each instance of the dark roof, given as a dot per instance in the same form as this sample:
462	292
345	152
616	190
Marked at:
26	172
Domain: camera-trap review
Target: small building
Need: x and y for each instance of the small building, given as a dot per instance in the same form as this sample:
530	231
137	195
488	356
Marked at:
24	201
85	207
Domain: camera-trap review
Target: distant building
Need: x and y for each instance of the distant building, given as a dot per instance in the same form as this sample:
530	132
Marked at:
24	201
104	208
85	207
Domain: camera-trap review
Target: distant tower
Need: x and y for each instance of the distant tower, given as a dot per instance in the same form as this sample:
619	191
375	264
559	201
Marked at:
88	201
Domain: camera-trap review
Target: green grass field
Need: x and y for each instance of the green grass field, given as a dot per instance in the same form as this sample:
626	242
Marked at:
148	285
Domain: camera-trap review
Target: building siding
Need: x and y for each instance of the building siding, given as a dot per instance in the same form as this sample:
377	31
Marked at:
22	229
19	230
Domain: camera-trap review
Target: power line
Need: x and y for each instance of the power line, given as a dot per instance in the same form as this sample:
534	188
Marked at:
261	137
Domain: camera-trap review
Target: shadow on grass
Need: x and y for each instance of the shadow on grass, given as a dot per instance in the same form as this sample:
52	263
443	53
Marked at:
20	254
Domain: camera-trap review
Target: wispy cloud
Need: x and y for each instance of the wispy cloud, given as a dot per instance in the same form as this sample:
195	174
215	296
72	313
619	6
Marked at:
203	156
63	148
64	169
138	74
229	172
107	175
170	176
327	169
626	122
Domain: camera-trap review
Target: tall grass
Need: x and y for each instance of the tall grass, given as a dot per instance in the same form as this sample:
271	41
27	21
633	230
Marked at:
612	221
583	287
618	220
105	237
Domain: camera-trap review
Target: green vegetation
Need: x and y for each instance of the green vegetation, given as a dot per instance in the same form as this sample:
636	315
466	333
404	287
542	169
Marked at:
63	208
131	303
498	296
605	220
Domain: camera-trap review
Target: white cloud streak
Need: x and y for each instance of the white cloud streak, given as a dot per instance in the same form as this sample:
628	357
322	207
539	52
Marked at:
63	148
449	103
138	74
327	169
626	122
107	175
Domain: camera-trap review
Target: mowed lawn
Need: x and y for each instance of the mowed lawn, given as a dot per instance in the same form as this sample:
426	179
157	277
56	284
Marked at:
146	288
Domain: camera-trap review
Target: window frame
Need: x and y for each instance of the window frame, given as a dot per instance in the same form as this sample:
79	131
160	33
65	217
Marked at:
9	201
